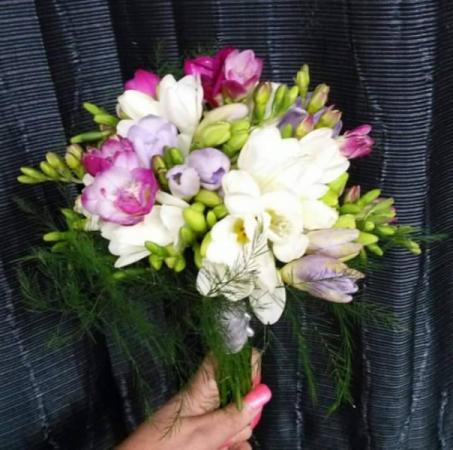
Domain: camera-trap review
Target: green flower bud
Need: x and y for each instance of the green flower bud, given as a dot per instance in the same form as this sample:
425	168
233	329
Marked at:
303	80
204	244
329	119
368	225
349	208
93	109
76	150
262	93
235	143
214	135
382	206
195	220
171	261
304	127
72	162
55	161
156	249
90	136
70	215
55	236
208	198
106	119
155	261
198	206
318	99
24	179
339	183
367	238
158	164
369	197
180	264
240	125
363	256
346	221
330	198
33	173
197	258
176	156
220	211
211	219
59	247
171	250
290	98
279	99
49	170
287	131
187	235
374	248
386	230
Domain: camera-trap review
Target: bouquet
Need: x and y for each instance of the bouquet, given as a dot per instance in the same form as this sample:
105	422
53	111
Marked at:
225	197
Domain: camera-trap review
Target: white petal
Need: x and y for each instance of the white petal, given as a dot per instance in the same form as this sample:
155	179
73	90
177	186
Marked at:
268	307
167	199
318	215
136	104
130	259
239	181
240	204
290	249
173	220
123	127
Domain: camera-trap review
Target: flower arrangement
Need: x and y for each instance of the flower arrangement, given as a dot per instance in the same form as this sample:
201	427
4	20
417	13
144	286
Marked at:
224	192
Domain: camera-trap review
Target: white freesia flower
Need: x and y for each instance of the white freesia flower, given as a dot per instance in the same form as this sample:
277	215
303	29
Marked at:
303	167
180	102
238	264
160	226
281	212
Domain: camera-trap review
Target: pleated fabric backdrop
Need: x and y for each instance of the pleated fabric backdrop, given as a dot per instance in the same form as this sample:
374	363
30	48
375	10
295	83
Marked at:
389	62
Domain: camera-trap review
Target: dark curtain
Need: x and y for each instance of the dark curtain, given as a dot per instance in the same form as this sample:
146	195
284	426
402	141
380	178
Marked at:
389	63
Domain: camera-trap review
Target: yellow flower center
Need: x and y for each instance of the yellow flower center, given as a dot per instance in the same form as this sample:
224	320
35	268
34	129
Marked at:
239	231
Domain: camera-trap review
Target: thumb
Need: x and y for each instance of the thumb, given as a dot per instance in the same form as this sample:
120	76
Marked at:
221	425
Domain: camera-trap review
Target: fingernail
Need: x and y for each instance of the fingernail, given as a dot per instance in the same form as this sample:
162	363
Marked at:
258	397
255	421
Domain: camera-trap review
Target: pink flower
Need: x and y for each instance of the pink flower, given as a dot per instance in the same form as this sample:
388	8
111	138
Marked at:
120	195
356	143
98	160
143	81
242	71
210	70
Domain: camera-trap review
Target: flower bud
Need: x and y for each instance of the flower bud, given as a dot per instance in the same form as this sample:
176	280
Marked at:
49	170
24	179
90	136
290	97
240	125
368	225
72	162
155	261
55	161
303	80
386	230
262	93
279	99
339	183
345	221
305	127
336	243
349	208
287	131
187	235
55	236
369	197
214	135
93	109
106	119
180	264
171	261
220	212
318	99
208	198
235	144
197	258
329	118
211	219
367	238
156	249
175	155
352	194
34	174
330	198
195	220
374	248
76	150
198	206
412	246
204	244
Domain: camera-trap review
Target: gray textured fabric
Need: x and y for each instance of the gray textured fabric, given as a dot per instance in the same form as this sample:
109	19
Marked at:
389	63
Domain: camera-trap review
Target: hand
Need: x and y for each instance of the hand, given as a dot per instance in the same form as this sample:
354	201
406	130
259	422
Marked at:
192	419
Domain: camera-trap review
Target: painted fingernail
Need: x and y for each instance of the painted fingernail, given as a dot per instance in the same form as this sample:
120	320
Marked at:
255	421
258	397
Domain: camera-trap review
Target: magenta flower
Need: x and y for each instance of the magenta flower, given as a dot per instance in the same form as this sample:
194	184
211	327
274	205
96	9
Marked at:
97	160
322	277
211	165
143	81
120	195
242	71
210	70
334	242
183	181
150	135
356	143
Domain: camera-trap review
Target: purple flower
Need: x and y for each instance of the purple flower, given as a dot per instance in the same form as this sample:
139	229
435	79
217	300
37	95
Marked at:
183	181
335	242
150	135
211	165
143	81
322	277
242	71
295	115
98	160
120	195
356	143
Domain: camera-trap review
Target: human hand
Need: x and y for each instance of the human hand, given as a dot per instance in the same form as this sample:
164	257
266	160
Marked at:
192	419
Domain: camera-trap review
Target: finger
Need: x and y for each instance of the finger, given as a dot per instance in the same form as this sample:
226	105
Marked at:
256	367
242	436
242	446
222	425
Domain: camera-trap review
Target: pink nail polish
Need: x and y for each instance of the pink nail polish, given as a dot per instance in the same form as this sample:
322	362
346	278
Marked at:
257	398
255	421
